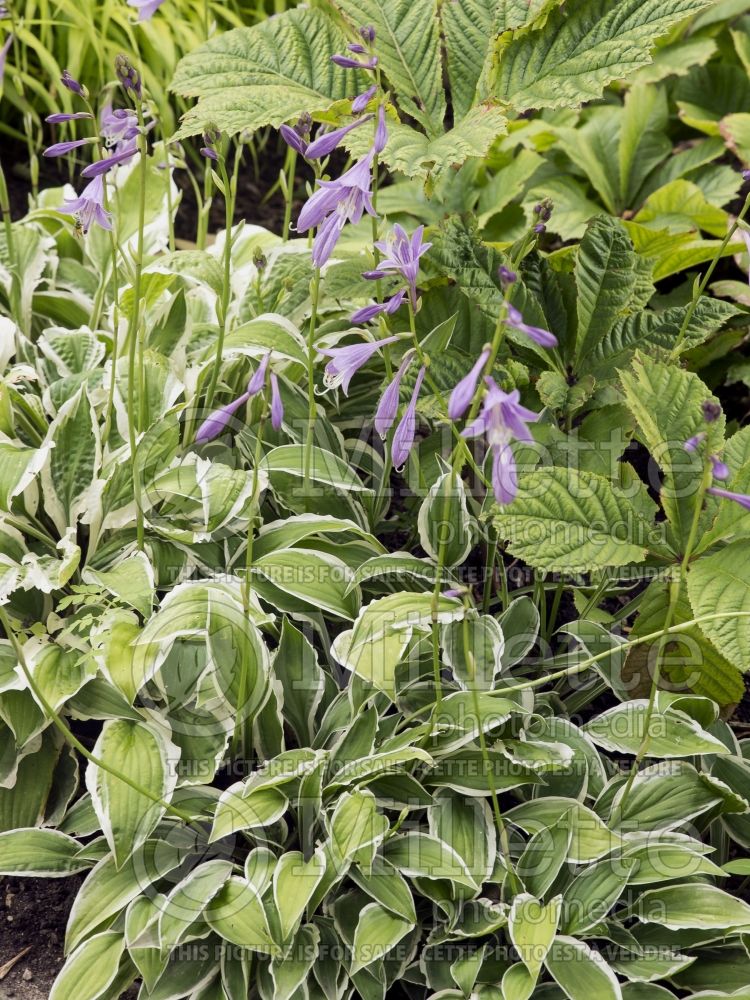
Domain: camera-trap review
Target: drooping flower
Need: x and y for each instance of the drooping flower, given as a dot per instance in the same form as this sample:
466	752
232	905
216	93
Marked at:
502	420
390	306
402	256
146	8
403	439
118	127
89	207
719	469
63	148
277	406
540	336
381	132
741	498
693	443
465	390
348	63
292	138
62	116
71	84
334	204
329	141
346	361
361	101
99	167
388	405
217	421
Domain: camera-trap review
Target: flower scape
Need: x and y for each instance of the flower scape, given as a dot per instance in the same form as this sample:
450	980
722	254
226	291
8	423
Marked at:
375	500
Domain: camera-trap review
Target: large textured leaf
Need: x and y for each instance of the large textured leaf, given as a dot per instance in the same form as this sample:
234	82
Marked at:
667	403
582	48
264	75
74	462
572	521
721	583
408	47
143	754
415	154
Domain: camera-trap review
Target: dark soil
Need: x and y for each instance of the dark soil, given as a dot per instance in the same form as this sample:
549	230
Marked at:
33	912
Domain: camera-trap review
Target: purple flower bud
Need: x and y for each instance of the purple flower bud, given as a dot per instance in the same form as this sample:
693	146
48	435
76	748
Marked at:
127	74
277	406
209	153
746	175
465	390
73	85
356	47
348	63
213	425
540	336
367	32
381	132
62	148
693	443
61	116
390	306
326	143
454	592
711	411
100	167
506	276
741	498
257	382
540	227
403	439
388	405
361	101
291	138
719	468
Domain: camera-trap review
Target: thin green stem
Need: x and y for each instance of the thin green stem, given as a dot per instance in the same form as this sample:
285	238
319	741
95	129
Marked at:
289	192
311	404
226	284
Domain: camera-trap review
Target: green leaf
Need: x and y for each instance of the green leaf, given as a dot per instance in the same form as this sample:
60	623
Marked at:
378	930
667	403
608	274
296	667
721	583
580	971
592	894
90	969
186	902
41	853
671	733
265	75
420	855
294	882
325	467
132	581
681	206
414	154
373	647
147	757
532	926
582	48
680	907
572	521
473	649
74	462
388	887
590	838
237	811
356	823
444	521
315	579
408	47
236	913
468	27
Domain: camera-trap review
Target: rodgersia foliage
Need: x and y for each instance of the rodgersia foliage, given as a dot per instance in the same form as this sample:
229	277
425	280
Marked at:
376	594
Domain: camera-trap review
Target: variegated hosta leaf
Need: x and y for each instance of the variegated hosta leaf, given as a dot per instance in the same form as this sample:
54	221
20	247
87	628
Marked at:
583	47
265	75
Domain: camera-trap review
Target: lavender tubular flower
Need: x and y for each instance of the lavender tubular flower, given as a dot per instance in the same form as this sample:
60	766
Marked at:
741	498
403	439
103	166
146	8
465	390
118	127
504	474
62	148
390	306
361	101
209	153
60	117
402	256
540	336
693	443
292	138
334	204
277	406
346	361
381	132
256	383
70	83
348	63
719	469
90	206
330	141
388	405
213	425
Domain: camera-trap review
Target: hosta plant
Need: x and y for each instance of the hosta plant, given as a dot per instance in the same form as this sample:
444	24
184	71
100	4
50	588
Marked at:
375	596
